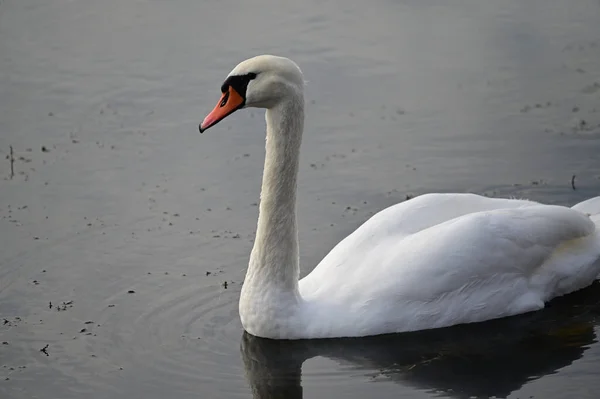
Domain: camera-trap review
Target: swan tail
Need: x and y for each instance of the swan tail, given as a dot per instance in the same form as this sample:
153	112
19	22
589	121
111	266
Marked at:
591	207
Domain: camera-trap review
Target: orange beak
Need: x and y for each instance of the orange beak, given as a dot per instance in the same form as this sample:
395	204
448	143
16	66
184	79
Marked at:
230	102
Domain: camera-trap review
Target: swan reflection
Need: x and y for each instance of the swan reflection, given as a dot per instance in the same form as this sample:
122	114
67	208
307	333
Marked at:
481	360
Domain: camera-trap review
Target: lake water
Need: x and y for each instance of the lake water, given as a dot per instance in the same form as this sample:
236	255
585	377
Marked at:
121	223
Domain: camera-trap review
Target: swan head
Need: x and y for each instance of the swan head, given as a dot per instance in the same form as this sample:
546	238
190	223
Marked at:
260	82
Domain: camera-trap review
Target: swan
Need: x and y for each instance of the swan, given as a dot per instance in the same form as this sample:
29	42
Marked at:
433	261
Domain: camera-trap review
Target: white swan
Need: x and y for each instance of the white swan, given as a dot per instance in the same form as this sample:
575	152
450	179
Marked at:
433	261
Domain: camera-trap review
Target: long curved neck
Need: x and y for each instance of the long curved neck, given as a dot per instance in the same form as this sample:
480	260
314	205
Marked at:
274	258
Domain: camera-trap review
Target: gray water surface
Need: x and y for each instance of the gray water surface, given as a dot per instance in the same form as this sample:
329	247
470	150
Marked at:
121	223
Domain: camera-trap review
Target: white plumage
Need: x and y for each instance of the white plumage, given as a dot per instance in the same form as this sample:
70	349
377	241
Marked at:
444	259
433	261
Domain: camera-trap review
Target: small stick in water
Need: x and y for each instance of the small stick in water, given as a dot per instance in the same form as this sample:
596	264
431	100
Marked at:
573	182
12	163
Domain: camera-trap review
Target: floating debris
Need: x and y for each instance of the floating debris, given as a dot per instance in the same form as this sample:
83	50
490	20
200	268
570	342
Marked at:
12	162
63	306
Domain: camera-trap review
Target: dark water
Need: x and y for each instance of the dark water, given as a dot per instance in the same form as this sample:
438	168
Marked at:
116	192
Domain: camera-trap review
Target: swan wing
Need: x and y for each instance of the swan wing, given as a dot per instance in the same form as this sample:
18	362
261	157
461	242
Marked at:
399	221
478	266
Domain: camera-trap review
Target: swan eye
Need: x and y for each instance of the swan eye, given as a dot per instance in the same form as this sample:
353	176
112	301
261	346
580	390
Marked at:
237	82
224	100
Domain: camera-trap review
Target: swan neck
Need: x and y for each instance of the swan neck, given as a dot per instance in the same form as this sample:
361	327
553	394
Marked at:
274	259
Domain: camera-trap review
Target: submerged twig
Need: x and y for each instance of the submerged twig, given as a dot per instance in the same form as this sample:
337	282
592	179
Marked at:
12	163
573	182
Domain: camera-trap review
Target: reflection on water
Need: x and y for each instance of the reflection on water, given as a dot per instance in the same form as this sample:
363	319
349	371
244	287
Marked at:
479	360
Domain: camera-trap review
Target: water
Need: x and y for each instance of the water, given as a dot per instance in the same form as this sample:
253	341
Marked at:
403	98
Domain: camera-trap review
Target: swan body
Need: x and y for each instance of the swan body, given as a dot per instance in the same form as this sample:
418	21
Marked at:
433	261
